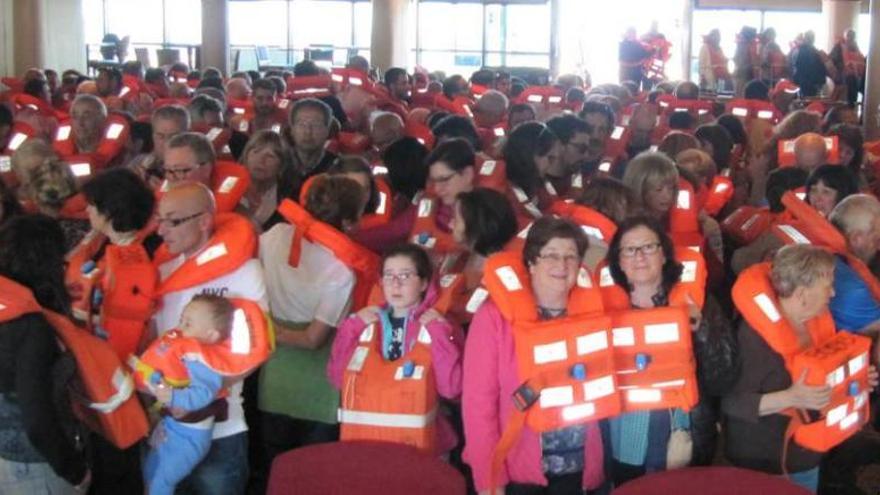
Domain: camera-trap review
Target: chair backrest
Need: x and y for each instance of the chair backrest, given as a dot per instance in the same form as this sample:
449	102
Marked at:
167	56
143	56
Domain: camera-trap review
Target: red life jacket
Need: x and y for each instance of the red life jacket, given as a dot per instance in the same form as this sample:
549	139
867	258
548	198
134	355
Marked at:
618	140
550	98
390	401
119	287
491	174
42	107
459	105
249	344
719	194
684	218
747	223
805	225
718	62
112	144
566	364
427	233
309	87
787	158
233	243
229	183
363	262
419	131
839	360
345	77
219	138
101	395
697	108
240	108
20	133
593	223
749	110
492	137
854	63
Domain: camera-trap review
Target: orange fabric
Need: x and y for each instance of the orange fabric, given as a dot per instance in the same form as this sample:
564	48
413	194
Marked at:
748	110
654	359
218	136
363	262
427	233
119	287
854	62
249	345
719	194
747	223
787	158
375	386
836	359
115	137
233	243
42	107
491	174
241	108
229	183
591	221
101	381
718	61
457	106
551	98
309	87
383	212
684	218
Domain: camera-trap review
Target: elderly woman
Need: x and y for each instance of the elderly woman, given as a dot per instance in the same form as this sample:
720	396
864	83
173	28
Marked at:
36	454
267	159
643	262
566	460
800	281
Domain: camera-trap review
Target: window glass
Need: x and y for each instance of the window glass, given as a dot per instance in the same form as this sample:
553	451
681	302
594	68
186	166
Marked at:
449	26
141	20
729	23
183	22
789	24
315	22
93	20
262	23
363	24
863	33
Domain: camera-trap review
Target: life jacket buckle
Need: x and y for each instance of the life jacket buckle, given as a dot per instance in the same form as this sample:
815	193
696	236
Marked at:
642	361
579	372
408	369
853	389
525	396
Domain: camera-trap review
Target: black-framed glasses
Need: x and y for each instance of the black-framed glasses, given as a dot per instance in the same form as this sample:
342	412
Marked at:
180	173
646	249
174	222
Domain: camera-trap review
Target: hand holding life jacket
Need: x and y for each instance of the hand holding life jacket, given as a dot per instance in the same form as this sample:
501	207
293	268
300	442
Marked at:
117	291
250	343
102	393
390	401
839	360
363	262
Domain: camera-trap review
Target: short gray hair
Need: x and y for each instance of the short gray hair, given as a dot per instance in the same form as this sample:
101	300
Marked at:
91	100
799	265
856	213
196	142
172	112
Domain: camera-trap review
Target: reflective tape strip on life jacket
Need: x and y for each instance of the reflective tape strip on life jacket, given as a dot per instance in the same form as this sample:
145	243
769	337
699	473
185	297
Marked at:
427	233
720	192
386	419
124	388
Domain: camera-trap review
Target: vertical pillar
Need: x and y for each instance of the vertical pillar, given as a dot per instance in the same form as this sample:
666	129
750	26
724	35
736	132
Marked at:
687	37
872	91
555	30
47	34
389	42
215	35
839	15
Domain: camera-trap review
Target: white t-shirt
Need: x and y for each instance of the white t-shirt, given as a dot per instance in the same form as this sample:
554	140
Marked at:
245	282
318	289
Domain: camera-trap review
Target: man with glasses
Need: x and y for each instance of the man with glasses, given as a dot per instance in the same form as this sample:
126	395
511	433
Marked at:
204	254
167	122
189	157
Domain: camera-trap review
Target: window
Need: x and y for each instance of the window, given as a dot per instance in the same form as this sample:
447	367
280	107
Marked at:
149	24
729	23
789	24
462	37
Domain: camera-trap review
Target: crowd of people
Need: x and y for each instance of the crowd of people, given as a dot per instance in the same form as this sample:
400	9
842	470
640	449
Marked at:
557	289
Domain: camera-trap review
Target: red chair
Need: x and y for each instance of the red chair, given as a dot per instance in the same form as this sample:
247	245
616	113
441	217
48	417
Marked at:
362	468
716	480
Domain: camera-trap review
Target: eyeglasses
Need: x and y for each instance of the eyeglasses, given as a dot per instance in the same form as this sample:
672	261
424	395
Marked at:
179	173
646	249
400	278
442	180
174	222
567	259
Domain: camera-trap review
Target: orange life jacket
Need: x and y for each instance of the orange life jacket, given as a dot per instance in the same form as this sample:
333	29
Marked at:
697	108
119	287
233	243
718	61
427	233
550	98
459	105
839	360
42	107
309	87
219	138
113	142
492	137
684	218
363	262
389	401
241	108
420	132
719	194
747	223
229	183
787	158
566	364
593	223
249	344
102	395
618	140
491	174
19	133
748	110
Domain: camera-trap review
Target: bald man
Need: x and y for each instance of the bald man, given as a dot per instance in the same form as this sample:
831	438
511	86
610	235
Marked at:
490	114
237	89
810	151
204	253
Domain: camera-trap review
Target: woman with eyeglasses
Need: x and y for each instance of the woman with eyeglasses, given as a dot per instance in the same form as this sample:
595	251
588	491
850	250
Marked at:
530	151
645	271
564	460
394	329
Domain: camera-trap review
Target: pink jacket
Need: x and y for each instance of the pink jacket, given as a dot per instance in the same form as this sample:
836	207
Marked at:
491	377
446	348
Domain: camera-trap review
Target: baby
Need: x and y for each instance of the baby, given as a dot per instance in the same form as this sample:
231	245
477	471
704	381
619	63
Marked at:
183	437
